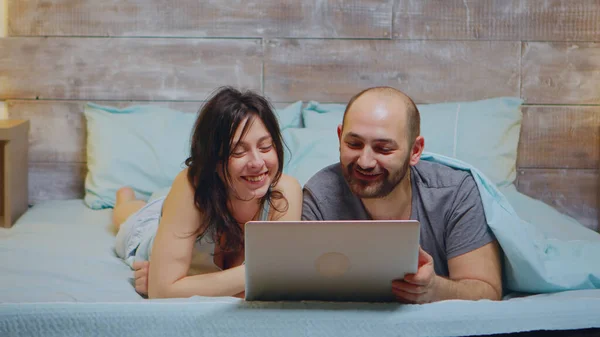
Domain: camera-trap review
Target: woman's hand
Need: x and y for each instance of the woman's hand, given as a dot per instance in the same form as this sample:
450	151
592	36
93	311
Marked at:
140	273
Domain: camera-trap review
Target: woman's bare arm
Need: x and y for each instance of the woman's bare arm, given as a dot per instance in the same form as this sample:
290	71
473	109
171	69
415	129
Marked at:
171	255
173	248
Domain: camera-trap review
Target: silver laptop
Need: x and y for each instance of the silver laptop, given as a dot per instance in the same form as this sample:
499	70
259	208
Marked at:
328	260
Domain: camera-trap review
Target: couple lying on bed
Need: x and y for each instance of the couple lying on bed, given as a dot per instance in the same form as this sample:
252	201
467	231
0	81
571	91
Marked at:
234	175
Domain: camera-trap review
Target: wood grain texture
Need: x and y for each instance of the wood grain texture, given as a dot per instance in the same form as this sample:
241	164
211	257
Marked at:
3	18
428	71
2	181
56	181
14	136
3	111
573	192
212	18
560	137
561	73
128	69
58	130
525	20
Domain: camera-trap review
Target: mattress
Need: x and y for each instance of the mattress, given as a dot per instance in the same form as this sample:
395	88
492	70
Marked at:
62	251
59	275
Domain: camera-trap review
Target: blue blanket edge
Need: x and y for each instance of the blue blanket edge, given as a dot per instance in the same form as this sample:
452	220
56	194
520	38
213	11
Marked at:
533	262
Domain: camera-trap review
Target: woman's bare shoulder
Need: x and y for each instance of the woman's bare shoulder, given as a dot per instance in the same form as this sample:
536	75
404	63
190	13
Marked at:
288	185
290	206
181	181
179	206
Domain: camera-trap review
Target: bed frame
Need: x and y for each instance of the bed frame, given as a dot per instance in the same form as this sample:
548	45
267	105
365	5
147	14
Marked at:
57	56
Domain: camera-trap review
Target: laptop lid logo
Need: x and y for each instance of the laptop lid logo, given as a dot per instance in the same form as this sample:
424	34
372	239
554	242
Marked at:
333	264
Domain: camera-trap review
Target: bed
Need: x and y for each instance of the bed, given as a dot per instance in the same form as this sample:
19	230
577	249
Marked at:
60	274
67	281
111	89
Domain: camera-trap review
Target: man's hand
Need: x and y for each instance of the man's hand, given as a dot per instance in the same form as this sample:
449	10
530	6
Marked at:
420	287
141	269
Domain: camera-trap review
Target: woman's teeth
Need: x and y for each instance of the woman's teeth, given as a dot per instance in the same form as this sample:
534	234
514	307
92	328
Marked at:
256	179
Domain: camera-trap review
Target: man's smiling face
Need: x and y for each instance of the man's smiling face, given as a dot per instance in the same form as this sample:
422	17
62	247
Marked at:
374	151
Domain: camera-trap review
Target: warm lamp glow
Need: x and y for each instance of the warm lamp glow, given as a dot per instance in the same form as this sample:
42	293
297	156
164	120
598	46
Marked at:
3	18
3	111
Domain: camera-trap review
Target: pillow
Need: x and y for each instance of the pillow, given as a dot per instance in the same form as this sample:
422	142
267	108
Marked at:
143	147
309	150
322	116
483	133
290	116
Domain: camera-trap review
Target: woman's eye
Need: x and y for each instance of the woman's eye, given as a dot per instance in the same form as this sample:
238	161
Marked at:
266	148
237	152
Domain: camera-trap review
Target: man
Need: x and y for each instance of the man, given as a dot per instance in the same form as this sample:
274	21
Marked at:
380	177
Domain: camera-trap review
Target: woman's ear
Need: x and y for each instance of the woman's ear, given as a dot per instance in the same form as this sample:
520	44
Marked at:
220	170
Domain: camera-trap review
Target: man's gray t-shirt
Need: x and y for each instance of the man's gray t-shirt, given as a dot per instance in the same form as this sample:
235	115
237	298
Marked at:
445	201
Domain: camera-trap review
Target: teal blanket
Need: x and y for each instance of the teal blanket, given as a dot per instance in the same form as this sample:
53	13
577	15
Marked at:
547	254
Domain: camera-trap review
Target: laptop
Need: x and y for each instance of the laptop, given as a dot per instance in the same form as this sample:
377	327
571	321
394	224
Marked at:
353	261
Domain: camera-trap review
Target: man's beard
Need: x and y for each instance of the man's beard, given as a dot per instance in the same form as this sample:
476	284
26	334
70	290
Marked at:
378	188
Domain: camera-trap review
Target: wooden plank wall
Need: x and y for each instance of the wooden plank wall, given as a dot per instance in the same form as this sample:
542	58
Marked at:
3	18
3	29
61	53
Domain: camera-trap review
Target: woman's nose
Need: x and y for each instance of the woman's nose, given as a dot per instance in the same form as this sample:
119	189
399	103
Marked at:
256	160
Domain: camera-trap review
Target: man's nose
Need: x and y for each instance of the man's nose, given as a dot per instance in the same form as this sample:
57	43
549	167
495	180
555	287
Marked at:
366	160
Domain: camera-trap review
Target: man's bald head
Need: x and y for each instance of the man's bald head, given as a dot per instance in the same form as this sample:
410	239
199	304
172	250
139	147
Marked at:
413	118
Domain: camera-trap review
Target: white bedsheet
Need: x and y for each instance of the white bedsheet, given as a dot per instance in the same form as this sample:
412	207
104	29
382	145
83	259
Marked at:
60	276
62	251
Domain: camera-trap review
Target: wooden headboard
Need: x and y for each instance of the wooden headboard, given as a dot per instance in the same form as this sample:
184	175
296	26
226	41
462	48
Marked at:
61	53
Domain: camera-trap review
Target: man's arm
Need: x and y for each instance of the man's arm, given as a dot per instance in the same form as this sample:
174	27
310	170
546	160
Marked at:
473	276
474	257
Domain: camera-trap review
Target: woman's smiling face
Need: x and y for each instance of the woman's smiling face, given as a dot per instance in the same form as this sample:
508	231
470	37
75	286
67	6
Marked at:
253	161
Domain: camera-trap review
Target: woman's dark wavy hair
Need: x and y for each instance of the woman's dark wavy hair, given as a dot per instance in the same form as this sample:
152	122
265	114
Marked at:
211	147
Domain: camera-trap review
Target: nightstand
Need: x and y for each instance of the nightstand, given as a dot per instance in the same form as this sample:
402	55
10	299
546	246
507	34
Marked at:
14	170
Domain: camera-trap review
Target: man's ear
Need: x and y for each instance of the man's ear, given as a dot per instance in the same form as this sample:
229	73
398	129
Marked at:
417	150
339	131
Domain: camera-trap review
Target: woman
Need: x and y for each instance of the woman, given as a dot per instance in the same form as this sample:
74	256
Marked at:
194	237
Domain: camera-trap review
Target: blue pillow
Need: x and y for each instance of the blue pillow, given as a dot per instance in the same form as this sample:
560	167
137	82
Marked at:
144	147
322	116
483	133
309	150
290	116
141	146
